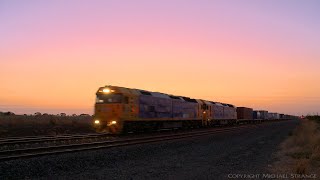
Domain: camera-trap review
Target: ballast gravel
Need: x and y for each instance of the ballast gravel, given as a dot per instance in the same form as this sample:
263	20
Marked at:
219	156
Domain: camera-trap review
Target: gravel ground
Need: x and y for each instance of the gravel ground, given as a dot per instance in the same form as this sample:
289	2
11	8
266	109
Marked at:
208	157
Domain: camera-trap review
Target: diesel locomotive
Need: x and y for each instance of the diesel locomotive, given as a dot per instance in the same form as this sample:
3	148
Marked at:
120	109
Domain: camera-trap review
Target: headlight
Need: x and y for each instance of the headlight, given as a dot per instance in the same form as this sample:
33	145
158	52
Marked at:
106	90
112	123
97	122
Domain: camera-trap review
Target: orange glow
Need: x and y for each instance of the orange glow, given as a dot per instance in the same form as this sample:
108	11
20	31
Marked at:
56	65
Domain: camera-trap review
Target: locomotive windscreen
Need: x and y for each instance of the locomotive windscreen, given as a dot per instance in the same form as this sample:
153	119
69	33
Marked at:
109	98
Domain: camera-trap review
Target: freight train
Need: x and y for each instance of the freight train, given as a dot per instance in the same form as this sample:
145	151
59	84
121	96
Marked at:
120	109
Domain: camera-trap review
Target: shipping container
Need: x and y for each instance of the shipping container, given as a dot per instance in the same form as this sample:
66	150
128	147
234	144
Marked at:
273	116
256	115
260	114
281	116
244	113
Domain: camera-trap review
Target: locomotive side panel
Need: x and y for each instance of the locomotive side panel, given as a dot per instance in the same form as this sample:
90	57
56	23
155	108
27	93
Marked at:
218	111
146	107
154	107
229	112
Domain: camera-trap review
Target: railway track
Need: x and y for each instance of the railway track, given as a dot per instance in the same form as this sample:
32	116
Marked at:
6	155
43	139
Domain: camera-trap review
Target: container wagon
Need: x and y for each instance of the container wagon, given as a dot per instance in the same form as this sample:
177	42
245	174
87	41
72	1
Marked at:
244	114
260	114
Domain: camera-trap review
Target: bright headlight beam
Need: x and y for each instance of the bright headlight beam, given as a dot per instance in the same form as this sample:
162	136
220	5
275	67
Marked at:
106	90
97	122
113	122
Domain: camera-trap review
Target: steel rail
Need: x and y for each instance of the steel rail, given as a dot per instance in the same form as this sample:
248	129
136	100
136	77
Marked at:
4	142
48	136
40	151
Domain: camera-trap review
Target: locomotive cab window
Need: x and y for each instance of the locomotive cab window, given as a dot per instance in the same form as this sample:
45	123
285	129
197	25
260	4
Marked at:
110	98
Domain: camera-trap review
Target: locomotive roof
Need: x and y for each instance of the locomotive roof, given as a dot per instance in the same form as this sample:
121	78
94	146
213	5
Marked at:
160	95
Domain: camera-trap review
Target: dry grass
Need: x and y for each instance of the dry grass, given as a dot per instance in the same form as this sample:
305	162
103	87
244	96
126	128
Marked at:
20	125
300	152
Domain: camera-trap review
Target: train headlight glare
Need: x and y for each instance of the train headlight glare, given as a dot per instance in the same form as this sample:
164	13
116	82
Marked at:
113	122
106	90
97	122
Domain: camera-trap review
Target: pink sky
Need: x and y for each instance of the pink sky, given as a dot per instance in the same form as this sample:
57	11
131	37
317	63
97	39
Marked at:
261	54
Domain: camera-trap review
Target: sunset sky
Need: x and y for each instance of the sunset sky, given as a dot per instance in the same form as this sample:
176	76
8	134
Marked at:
55	54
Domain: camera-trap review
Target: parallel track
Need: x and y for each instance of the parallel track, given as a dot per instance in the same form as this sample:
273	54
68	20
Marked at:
49	150
29	140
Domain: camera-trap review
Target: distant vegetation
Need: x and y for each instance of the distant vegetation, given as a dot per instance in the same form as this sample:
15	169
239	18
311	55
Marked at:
314	118
40	114
43	124
6	113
